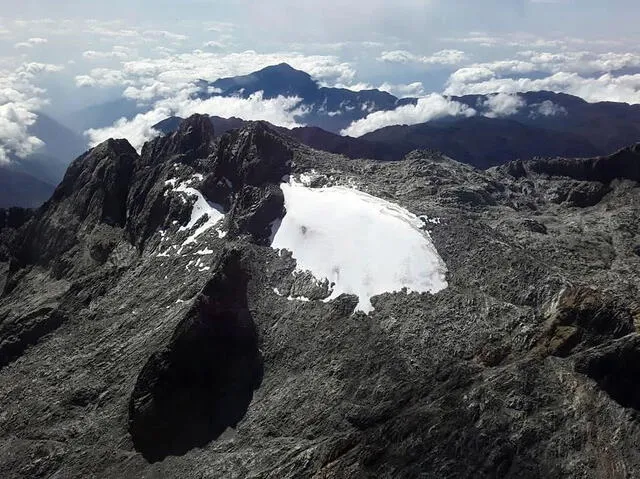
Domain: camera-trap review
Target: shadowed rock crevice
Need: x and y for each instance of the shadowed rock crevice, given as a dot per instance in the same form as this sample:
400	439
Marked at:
616	369
188	394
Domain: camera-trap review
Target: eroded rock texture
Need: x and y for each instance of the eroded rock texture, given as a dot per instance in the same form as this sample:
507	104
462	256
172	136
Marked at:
130	346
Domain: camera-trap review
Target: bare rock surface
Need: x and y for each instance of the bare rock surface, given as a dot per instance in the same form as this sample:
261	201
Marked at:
131	348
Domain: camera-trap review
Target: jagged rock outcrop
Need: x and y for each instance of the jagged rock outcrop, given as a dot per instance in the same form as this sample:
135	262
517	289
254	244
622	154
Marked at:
622	165
147	328
92	198
583	317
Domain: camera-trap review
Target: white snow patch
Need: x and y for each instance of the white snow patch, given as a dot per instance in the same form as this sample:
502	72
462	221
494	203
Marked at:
298	298
364	245
205	251
201	207
433	221
308	177
290	298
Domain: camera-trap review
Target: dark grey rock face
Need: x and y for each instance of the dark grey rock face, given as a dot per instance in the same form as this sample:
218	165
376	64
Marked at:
189	394
129	348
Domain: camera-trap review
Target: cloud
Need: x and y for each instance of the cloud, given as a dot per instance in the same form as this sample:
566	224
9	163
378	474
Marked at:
19	101
219	27
148	93
606	87
279	111
117	53
177	71
547	108
580	61
111	29
45	26
15	119
31	42
214	44
429	108
443	57
164	35
591	76
531	40
103	77
502	105
413	90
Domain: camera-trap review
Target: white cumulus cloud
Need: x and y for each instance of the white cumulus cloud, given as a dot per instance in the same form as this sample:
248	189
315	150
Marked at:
547	108
20	100
606	87
415	89
279	111
176	71
503	104
429	108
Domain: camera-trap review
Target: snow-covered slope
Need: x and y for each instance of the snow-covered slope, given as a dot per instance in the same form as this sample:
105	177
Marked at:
363	244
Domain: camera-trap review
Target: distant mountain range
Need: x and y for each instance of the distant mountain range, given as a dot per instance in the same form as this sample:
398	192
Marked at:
479	141
540	124
22	189
331	109
102	114
29	181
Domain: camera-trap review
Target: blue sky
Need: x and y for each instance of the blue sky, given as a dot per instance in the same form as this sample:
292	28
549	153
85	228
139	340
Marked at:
58	57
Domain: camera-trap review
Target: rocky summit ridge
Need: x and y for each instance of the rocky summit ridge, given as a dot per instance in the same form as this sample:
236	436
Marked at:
134	343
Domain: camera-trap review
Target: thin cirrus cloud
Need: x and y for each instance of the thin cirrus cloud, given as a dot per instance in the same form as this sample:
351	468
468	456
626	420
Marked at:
443	57
31	42
117	52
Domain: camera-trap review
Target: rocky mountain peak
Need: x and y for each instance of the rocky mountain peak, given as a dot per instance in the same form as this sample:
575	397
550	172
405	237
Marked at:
273	80
193	139
254	155
96	166
92	194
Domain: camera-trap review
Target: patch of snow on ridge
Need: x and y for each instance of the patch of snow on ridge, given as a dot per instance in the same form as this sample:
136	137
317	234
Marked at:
364	244
214	212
